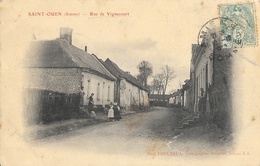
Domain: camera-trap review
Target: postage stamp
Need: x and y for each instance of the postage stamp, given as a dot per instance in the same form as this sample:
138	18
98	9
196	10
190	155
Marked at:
213	31
238	24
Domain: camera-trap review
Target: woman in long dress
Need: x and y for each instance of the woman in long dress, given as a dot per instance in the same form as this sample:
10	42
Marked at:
117	115
110	114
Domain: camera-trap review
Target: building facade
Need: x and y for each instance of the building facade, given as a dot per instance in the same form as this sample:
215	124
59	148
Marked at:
159	100
59	66
128	91
201	73
176	99
186	88
211	70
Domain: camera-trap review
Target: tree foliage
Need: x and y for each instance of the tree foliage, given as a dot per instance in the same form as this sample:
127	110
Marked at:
157	84
145	71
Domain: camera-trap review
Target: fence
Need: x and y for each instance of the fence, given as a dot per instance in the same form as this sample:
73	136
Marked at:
43	106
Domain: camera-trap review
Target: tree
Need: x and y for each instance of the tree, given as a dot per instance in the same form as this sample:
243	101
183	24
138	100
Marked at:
168	75
162	80
157	84
145	71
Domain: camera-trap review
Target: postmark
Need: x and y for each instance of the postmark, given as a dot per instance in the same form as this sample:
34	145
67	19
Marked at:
212	30
241	17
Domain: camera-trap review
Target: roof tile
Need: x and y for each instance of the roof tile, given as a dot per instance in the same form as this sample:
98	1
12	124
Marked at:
59	54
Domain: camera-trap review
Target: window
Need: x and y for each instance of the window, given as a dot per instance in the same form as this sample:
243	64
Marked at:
103	92
88	88
203	79
207	78
98	91
108	93
196	90
82	81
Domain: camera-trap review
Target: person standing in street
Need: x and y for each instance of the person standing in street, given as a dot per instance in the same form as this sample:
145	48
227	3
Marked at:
91	105
82	94
117	115
110	114
202	102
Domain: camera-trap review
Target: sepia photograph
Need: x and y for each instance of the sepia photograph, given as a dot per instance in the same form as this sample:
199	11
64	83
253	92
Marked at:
130	82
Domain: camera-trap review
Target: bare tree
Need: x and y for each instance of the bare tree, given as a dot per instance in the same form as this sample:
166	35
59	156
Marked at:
157	84
162	80
145	71
168	75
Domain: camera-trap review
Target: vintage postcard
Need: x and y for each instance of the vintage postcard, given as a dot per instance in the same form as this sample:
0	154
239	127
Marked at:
113	82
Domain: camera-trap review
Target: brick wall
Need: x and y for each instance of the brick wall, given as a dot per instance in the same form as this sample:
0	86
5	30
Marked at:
64	80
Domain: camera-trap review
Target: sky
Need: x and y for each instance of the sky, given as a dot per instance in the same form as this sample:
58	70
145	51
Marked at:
160	32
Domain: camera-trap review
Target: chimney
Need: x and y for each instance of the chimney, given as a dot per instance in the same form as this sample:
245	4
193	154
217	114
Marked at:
66	33
86	48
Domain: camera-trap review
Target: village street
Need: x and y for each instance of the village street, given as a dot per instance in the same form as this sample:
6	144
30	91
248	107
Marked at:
134	133
149	133
85	80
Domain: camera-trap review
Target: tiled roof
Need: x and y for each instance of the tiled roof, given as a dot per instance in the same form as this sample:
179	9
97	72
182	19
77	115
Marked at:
186	85
59	54
119	73
176	93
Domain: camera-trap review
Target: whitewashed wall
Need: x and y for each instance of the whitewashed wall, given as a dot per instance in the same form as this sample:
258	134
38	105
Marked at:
132	95
200	70
102	88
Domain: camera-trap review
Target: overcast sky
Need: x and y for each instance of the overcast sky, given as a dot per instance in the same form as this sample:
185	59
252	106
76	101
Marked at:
160	32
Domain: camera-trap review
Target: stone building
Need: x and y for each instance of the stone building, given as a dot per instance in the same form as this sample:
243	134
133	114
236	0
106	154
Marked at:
211	69
59	66
128	91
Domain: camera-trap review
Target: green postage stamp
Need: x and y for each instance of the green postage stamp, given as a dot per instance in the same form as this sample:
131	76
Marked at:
238	25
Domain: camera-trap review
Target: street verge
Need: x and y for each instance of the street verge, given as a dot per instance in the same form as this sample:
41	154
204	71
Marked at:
41	131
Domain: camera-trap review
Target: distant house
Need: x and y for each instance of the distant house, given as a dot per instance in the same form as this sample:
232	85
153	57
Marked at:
176	99
57	65
128	91
159	99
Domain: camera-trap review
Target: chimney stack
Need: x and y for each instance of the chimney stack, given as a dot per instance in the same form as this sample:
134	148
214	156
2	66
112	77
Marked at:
86	48
66	33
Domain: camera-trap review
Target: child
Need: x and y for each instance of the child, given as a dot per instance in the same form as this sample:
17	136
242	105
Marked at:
110	114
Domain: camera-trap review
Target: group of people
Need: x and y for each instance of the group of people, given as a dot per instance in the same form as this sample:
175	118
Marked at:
113	112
